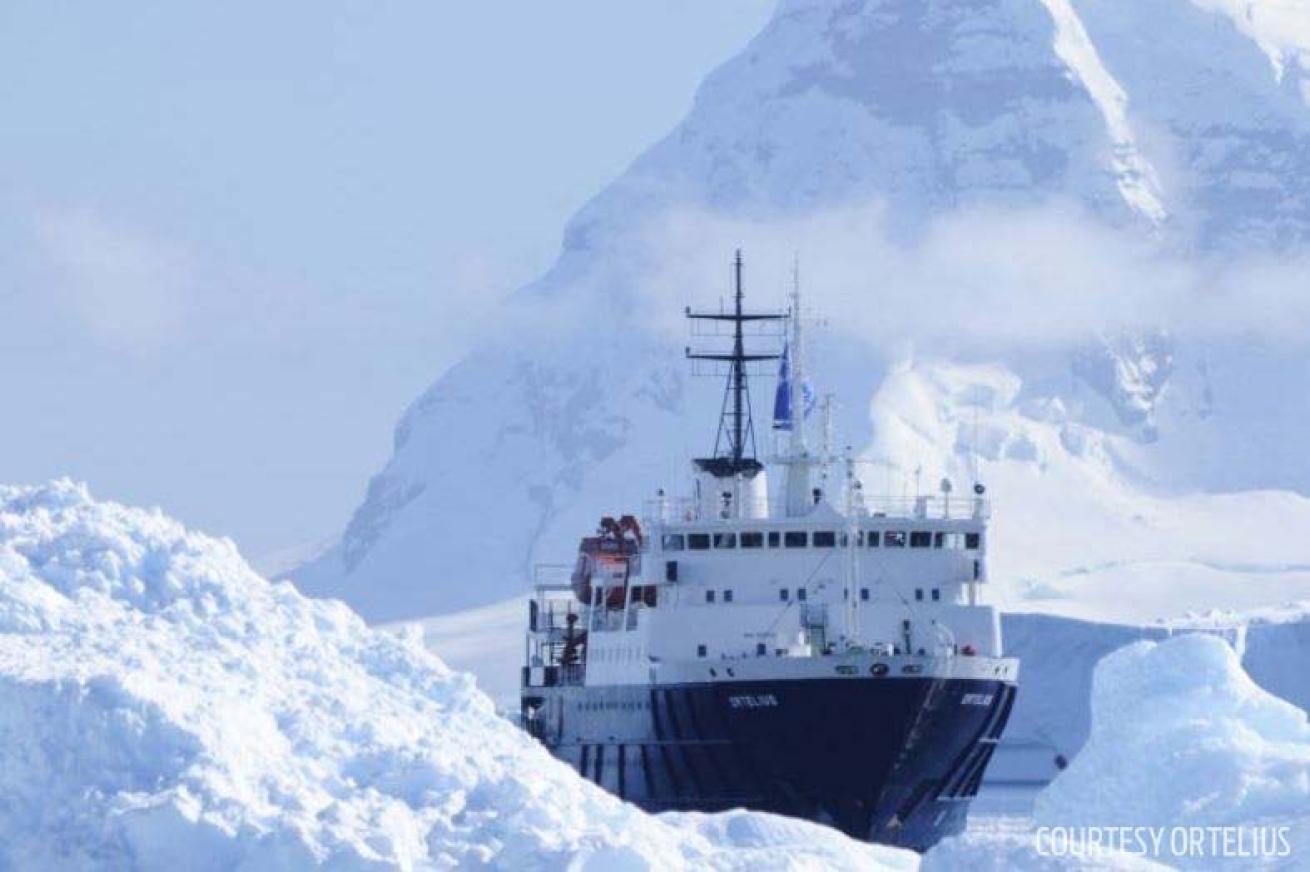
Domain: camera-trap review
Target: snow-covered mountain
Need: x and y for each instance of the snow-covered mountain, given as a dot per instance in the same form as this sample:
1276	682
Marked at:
948	169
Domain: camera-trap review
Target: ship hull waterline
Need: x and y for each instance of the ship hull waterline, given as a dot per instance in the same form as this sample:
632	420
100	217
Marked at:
893	761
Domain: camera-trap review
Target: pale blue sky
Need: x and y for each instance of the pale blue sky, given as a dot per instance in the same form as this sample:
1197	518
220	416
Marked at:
236	239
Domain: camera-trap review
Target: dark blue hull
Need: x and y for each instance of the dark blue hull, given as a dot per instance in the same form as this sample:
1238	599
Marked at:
893	761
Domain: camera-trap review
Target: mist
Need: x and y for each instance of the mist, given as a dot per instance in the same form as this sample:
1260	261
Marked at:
981	280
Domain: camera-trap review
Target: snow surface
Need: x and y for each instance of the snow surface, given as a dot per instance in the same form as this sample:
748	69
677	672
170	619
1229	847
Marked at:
164	707
1136	177
1181	736
1280	27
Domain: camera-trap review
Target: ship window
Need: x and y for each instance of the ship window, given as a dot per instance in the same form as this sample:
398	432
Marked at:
794	539
824	539
918	594
709	596
920	539
871	539
701	651
936	594
864	594
938	539
698	541
773	539
892	539
673	541
760	649
972	541
784	594
801	594
727	595
752	540
725	540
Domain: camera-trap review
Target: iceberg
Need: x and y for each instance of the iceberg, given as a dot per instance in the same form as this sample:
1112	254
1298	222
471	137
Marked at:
1182	737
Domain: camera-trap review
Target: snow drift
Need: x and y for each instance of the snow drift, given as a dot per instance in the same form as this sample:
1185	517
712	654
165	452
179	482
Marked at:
162	706
1181	736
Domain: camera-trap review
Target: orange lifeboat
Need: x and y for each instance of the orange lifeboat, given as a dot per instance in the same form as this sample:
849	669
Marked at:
608	559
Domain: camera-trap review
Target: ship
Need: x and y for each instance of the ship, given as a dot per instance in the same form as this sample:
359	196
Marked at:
818	652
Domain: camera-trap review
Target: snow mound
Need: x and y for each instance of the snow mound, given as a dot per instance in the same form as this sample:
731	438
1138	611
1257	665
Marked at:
162	706
1181	736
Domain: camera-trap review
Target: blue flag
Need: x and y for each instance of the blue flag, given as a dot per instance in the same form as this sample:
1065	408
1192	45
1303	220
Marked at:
782	399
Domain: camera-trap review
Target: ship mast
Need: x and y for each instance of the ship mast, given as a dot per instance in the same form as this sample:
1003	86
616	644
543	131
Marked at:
734	445
797	459
797	364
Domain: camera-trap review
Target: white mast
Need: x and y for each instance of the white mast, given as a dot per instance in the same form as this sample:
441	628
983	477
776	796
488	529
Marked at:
854	511
797	458
798	447
827	456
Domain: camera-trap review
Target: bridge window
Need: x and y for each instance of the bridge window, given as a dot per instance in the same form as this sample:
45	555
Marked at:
972	541
936	594
824	539
801	594
752	540
725	540
727	595
918	594
784	594
871	538
673	542
773	539
709	596
892	539
698	541
953	541
760	649
794	539
920	539
864	594
701	651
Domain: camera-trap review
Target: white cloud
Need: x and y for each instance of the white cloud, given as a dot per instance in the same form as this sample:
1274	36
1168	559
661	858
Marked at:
986	279
127	286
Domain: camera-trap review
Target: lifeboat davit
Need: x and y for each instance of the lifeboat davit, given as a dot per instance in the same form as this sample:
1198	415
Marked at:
613	554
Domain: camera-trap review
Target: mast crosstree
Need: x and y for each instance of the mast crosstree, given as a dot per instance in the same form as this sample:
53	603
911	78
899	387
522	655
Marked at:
734	445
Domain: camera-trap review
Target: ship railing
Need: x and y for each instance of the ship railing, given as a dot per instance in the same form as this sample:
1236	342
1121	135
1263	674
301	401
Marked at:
554	674
683	510
551	604
552	576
